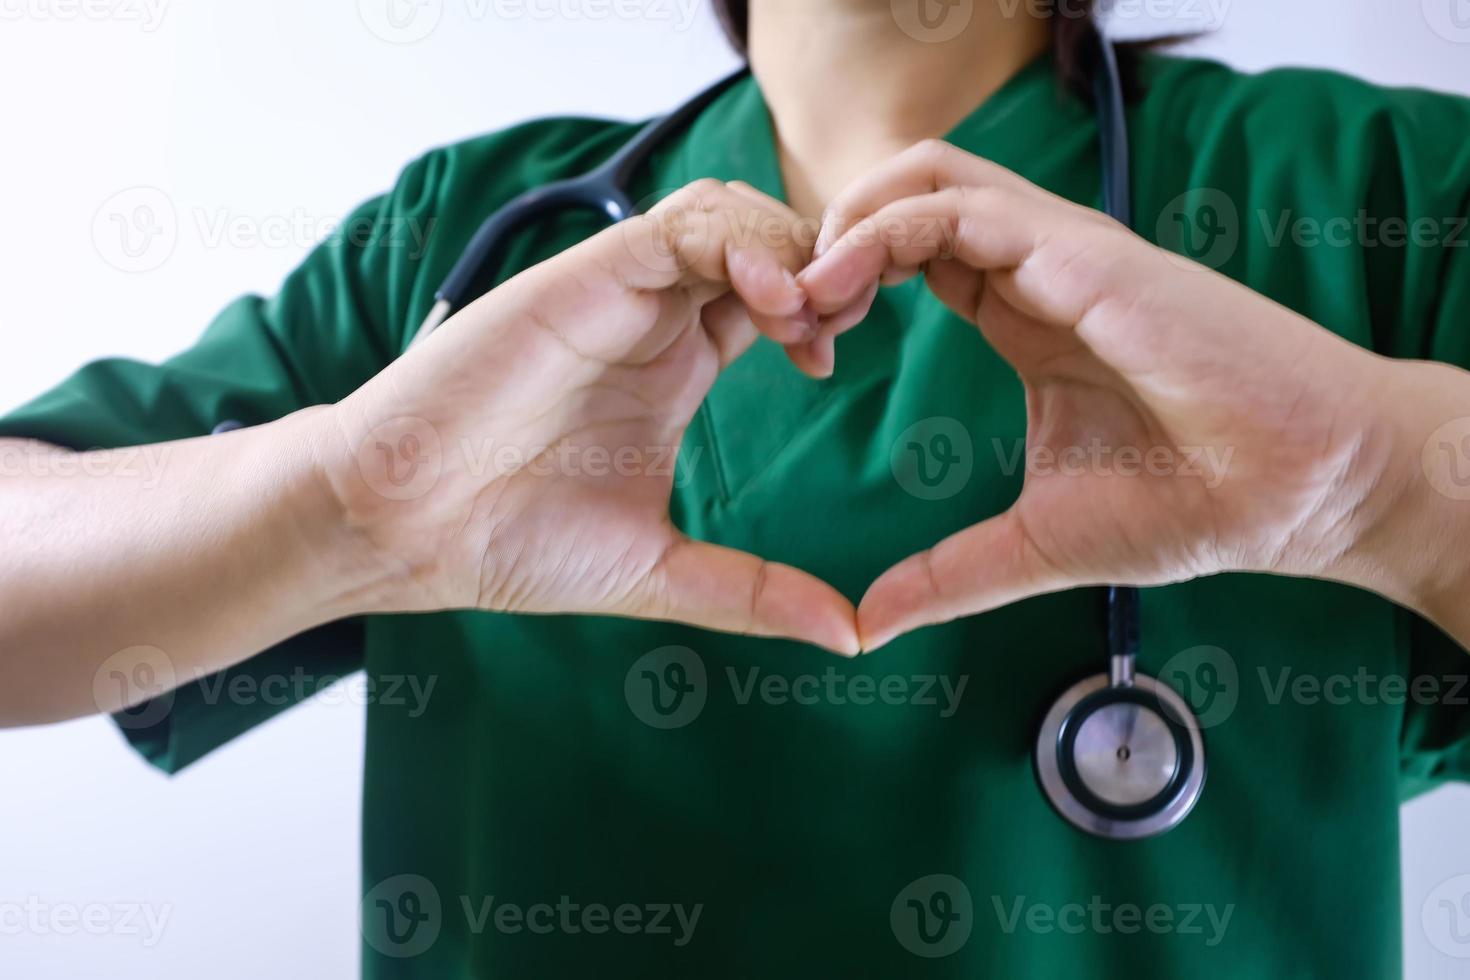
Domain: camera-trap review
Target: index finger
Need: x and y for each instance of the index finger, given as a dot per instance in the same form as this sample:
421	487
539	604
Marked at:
924	168
712	234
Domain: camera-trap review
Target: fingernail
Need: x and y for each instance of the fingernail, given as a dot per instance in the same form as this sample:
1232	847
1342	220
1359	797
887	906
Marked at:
811	322
805	277
824	237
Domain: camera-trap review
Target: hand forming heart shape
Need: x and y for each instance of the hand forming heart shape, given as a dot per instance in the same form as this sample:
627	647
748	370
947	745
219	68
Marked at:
615	343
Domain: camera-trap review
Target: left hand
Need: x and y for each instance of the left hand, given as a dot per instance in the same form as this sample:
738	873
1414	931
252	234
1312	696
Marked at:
1129	354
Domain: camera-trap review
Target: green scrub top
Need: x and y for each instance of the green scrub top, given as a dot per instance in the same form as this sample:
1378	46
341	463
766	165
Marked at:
593	797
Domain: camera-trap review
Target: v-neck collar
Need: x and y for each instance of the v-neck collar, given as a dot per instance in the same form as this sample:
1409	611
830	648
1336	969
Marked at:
735	138
760	405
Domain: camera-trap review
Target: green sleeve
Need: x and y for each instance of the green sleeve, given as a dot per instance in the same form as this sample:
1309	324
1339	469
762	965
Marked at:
341	317
1352	204
337	320
1422	301
1346	202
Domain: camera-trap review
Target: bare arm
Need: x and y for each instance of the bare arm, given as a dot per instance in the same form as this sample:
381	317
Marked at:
437	485
208	550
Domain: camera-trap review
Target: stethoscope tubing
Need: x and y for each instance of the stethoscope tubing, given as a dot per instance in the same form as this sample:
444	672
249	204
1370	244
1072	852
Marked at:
602	191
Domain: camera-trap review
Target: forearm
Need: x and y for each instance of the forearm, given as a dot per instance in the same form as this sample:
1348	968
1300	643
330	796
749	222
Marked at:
214	550
1411	535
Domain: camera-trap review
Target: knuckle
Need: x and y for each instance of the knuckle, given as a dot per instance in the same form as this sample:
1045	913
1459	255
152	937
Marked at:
757	595
932	151
704	191
690	197
973	205
979	197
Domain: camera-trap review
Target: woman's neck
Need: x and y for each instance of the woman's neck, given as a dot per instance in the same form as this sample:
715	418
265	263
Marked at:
850	83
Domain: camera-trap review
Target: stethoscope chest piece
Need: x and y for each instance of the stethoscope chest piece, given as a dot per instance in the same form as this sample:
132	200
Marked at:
1120	755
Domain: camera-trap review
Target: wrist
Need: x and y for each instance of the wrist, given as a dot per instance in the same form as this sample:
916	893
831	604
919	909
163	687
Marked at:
336	528
374	477
1409	539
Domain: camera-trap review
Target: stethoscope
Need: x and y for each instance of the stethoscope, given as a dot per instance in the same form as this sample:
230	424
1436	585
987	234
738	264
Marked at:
1119	754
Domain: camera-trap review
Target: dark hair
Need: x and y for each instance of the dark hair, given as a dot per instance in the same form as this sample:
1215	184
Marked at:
1072	31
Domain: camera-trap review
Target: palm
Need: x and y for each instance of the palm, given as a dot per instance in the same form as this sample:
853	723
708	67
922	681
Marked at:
1091	508
558	403
1158	449
1152	455
588	510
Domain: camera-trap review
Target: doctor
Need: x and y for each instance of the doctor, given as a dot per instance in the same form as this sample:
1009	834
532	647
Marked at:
943	467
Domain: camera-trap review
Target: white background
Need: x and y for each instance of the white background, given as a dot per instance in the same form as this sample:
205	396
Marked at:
261	121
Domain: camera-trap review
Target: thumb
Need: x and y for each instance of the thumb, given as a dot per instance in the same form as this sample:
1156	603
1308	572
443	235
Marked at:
983	567
731	591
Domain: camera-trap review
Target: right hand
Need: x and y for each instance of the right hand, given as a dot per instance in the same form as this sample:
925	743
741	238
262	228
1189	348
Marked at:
521	459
